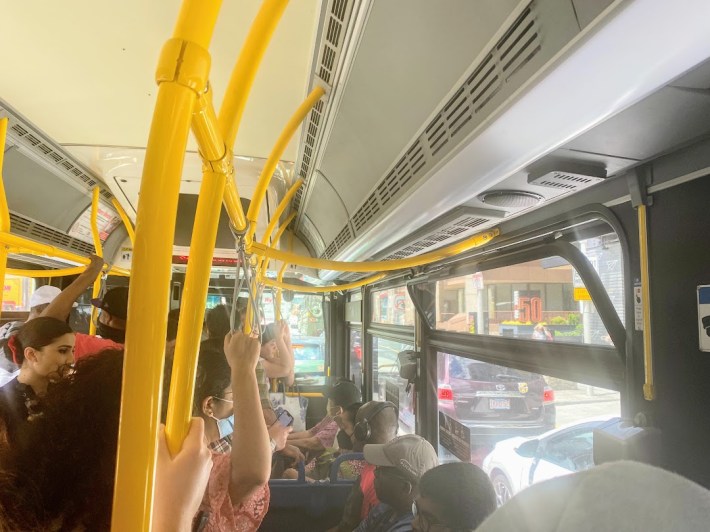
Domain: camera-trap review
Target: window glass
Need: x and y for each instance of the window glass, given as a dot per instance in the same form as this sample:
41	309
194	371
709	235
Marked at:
540	300
16	293
520	427
604	253
356	357
393	307
304	314
355	296
387	385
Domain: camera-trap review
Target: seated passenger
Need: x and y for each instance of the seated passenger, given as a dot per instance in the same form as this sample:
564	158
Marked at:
213	400
111	323
317	439
457	496
376	423
43	349
614	496
71	487
400	465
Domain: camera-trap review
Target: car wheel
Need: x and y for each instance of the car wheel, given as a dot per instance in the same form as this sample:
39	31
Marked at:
501	485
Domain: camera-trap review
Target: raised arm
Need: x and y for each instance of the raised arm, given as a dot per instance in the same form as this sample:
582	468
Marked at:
282	364
62	304
251	452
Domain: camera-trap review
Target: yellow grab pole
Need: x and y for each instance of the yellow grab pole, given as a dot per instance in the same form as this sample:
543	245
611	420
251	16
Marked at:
64	272
4	210
30	246
96	290
182	74
283	205
264	262
238	89
280	277
192	311
322	289
126	221
649	392
374	266
276	154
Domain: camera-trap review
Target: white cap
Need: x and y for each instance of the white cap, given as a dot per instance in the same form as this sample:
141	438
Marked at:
44	295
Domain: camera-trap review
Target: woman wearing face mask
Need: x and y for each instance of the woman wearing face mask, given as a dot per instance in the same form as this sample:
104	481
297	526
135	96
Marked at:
43	348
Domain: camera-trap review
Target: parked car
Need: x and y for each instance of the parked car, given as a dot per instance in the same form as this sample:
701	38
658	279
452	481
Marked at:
495	400
516	463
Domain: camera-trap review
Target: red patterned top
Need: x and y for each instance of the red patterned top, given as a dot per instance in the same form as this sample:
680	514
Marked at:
223	516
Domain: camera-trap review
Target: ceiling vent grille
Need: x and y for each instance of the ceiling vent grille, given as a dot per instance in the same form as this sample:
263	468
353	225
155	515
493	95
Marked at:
465	110
445	230
342	239
20	225
331	46
566	177
53	155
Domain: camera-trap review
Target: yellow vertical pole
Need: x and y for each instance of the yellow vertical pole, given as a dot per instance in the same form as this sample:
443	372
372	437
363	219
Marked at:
4	210
126	221
192	311
96	290
649	392
182	74
280	276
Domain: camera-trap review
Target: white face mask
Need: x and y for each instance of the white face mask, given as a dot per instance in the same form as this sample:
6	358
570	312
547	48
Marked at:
225	426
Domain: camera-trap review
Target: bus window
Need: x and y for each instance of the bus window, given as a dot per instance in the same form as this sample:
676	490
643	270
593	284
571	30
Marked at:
356	357
540	300
520	427
16	293
304	315
387	385
393	307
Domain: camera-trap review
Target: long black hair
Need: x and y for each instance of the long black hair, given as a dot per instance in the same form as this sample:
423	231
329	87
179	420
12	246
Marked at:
213	373
36	333
63	473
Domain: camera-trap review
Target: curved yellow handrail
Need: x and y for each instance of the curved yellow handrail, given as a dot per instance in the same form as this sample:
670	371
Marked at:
96	290
126	221
280	278
283	204
238	89
4	210
322	289
375	266
276	154
64	272
264	266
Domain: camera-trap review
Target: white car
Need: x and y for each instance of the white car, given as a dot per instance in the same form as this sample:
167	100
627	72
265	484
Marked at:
516	463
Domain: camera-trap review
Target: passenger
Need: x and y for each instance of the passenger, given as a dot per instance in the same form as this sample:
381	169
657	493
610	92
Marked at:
277	352
376	423
213	400
43	349
71	486
456	497
111	323
217	322
614	496
317	439
400	465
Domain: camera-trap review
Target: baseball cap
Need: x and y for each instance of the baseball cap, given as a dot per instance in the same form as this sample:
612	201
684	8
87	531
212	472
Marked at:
344	393
411	454
44	295
115	302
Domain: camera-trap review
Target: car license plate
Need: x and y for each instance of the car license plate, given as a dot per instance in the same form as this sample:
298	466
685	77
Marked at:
499	404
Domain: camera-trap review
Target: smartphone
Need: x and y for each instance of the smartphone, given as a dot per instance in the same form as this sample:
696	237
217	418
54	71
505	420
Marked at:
285	418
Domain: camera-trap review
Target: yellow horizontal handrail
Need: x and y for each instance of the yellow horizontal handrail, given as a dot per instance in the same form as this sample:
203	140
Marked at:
322	289
30	246
377	266
276	154
126	221
64	272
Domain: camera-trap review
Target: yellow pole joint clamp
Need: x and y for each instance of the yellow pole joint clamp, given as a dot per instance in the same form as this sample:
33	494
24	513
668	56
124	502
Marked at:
184	63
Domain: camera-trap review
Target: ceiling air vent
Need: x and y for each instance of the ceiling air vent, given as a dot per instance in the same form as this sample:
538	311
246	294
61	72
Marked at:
23	226
567	177
511	199
50	153
491	80
327	69
447	229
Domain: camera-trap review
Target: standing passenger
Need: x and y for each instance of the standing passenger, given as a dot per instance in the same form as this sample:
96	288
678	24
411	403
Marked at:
43	349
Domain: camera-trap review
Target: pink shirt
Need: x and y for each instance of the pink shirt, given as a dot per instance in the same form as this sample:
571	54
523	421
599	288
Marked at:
367	486
325	431
86	345
223	515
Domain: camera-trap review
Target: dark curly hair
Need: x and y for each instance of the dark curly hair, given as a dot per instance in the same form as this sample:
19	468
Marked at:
64	471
